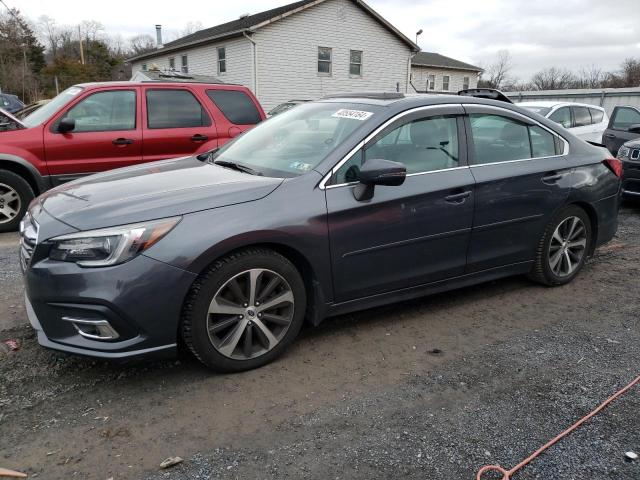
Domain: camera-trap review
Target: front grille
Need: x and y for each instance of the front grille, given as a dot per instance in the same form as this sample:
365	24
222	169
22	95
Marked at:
28	240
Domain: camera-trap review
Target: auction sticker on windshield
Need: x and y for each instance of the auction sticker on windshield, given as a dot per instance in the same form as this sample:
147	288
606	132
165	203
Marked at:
353	114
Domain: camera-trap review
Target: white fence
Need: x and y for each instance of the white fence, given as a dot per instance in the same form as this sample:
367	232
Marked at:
603	97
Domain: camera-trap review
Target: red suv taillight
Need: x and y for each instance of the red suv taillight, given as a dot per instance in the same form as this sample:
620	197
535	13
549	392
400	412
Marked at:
614	165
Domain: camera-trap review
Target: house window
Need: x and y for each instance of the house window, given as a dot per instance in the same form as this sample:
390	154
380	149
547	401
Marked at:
445	82
431	82
355	63
324	60
144	67
222	60
465	83
185	64
172	64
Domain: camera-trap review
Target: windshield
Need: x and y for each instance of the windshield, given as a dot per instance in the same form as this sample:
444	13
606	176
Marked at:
539	110
296	141
45	112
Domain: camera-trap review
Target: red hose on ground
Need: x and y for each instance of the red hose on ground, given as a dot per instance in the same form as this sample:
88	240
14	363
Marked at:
506	474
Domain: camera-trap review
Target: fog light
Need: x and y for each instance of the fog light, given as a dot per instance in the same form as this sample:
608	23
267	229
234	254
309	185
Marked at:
93	329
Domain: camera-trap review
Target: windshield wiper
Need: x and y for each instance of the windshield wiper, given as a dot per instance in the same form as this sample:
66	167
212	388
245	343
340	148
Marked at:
237	166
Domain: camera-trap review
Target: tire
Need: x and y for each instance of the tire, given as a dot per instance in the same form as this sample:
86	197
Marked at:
15	196
225	330
572	247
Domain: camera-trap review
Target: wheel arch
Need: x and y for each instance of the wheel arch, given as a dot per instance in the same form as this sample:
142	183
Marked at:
593	218
316	302
24	169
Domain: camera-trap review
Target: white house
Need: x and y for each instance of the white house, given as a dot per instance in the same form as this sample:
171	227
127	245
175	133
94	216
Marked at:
435	73
304	50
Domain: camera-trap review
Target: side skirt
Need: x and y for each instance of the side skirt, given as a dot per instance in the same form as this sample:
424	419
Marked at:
428	289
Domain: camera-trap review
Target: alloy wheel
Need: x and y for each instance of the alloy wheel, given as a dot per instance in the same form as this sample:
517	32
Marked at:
10	203
567	247
250	314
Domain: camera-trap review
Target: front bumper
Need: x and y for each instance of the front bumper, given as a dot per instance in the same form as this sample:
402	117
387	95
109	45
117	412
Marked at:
140	300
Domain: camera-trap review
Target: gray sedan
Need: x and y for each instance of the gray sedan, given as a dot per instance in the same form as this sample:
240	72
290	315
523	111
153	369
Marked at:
336	205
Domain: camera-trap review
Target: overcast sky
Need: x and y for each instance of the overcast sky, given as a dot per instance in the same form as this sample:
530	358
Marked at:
538	33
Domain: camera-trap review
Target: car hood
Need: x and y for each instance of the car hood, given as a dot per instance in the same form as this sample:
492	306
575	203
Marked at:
11	118
152	190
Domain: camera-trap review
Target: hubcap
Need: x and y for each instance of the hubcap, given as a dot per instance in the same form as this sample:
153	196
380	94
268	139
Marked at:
250	314
9	203
567	246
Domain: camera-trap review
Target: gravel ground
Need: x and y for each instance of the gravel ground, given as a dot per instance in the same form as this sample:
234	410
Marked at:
433	388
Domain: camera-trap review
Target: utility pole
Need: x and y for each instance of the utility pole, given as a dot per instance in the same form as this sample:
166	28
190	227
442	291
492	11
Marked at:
81	51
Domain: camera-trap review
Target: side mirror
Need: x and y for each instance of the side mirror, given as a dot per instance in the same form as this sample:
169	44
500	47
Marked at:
378	171
66	125
635	128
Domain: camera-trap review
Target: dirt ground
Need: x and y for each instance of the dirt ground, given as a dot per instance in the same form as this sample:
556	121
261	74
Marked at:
431	389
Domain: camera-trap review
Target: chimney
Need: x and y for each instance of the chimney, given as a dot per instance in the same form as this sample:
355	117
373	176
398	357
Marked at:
159	36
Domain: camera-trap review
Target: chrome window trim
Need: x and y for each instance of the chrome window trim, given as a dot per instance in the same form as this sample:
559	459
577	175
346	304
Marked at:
351	184
323	183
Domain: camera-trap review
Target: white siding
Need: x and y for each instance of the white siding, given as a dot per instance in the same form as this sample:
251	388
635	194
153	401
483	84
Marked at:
203	61
288	54
420	75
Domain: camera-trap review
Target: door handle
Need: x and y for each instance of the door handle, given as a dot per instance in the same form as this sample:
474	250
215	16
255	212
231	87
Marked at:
552	177
199	138
458	197
122	141
609	135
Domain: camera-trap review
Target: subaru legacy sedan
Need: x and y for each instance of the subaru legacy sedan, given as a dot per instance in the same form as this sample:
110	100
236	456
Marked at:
334	206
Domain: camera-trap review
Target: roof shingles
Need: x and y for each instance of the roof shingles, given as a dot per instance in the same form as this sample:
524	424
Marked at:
431	59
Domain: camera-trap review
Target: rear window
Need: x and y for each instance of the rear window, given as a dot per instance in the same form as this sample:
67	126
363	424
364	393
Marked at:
596	115
581	116
174	109
236	106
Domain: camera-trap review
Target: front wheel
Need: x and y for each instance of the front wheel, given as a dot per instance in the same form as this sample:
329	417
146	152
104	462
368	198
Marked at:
562	250
244	311
15	196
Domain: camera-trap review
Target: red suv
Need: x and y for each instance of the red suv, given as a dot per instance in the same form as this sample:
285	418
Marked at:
93	127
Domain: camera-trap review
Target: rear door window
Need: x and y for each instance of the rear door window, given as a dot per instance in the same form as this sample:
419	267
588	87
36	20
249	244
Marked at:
236	106
543	143
562	116
624	117
581	116
174	109
596	115
502	139
498	139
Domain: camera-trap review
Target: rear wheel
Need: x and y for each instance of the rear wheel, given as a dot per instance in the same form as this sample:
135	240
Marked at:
562	250
244	311
15	196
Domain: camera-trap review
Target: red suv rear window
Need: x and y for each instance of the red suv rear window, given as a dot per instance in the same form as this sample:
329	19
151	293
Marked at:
236	106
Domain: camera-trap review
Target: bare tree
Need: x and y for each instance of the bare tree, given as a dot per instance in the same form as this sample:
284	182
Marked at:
497	73
49	32
553	79
590	77
91	30
189	28
141	44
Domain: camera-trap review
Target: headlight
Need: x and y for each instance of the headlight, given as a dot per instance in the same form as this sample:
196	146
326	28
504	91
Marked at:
109	246
623	152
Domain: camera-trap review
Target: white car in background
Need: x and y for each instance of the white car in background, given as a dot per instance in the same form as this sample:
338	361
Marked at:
585	121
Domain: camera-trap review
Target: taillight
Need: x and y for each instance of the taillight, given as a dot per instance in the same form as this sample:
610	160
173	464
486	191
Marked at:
615	165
